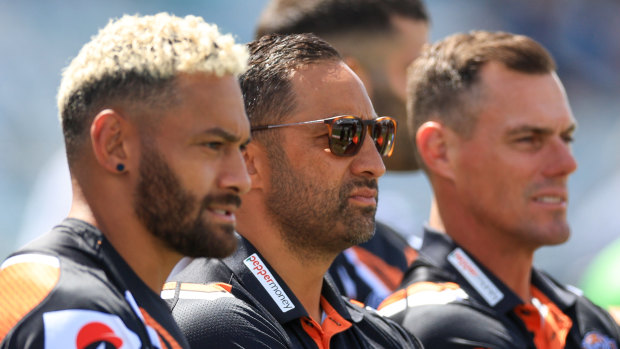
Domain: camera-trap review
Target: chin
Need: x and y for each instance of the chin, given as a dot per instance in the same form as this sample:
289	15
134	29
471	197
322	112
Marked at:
362	235
556	236
223	242
223	251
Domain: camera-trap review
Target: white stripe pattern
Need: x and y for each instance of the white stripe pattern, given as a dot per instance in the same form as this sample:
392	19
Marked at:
32	258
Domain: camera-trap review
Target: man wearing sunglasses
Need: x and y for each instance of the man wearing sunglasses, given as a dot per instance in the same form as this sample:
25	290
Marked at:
314	163
378	40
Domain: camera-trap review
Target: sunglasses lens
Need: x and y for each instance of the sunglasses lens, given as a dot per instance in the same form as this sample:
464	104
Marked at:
383	132
346	136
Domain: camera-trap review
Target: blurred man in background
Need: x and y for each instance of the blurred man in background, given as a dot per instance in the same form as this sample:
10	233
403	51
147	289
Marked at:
154	128
378	39
494	132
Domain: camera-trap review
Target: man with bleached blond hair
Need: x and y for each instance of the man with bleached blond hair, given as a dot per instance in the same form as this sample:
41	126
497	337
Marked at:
154	128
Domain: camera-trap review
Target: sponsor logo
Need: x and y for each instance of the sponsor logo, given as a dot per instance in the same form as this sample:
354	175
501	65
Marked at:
271	285
597	340
470	271
99	335
86	329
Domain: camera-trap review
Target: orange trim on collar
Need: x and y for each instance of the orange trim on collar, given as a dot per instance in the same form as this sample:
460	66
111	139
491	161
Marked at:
550	325
333	324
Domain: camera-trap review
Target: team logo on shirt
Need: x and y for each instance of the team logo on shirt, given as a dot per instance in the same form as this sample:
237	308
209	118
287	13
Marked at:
97	335
271	285
87	329
597	340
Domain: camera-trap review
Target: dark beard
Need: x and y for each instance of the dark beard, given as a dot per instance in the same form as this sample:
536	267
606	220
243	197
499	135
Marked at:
316	221
175	216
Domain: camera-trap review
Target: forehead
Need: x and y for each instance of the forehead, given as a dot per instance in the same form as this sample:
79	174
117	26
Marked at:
512	99
204	102
327	89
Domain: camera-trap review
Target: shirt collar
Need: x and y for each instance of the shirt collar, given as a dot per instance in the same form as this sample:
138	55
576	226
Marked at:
259	278
94	246
478	282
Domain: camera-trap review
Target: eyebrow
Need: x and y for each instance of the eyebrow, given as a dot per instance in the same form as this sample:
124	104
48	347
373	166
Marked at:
538	130
227	136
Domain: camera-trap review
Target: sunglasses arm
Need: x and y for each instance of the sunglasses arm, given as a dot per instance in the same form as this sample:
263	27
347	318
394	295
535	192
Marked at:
266	127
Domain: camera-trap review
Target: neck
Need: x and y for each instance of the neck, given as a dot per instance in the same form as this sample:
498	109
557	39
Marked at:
303	278
509	260
511	266
153	263
434	219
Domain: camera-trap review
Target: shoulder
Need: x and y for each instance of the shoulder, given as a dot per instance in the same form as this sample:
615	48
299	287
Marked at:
211	316
380	330
591	323
597	322
442	315
26	280
202	271
46	300
591	316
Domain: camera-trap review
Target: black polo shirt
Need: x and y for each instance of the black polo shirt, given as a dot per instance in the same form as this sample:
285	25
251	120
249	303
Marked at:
241	302
71	289
449	300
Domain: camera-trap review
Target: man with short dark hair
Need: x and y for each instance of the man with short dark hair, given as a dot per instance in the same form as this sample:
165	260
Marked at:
378	39
494	132
154	128
314	162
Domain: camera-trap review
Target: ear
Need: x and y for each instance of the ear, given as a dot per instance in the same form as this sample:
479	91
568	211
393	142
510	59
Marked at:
432	143
361	72
255	162
107	134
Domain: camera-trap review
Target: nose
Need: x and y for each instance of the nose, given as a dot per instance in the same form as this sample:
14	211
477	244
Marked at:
234	174
367	162
560	161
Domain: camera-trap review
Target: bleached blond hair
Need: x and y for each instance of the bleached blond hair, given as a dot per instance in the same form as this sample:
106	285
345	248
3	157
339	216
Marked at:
134	60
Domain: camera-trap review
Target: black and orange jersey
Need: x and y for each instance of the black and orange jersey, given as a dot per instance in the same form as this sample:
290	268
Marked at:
241	302
71	289
371	271
449	300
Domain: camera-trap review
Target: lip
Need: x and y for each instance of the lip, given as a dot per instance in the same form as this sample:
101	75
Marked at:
364	196
223	213
551	198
